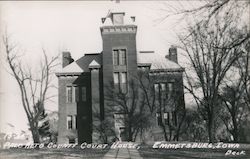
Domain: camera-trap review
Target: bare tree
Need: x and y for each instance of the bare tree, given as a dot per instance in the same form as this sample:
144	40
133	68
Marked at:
236	111
235	97
167	104
33	86
194	128
209	9
212	48
243	64
104	128
207	42
130	104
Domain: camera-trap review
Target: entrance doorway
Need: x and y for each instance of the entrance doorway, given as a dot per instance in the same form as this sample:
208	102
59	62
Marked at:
123	135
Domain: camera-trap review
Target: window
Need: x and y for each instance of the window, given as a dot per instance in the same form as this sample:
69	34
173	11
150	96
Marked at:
69	94
116	78
122	57
119	120
115	57
120	80
118	18
157	90
163	86
167	118
74	125
72	94
163	91
123	77
119	57
84	94
170	118
71	122
77	94
72	141
158	117
170	89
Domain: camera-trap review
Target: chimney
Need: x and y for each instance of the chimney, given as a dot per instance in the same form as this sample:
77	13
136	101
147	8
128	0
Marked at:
173	54
66	59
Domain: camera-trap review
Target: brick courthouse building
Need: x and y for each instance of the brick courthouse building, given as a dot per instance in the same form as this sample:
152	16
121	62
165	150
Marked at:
82	82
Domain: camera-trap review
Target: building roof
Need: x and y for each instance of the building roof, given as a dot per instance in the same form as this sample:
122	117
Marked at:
81	65
158	61
73	68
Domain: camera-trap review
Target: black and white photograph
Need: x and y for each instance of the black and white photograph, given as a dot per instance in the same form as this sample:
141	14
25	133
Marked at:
124	79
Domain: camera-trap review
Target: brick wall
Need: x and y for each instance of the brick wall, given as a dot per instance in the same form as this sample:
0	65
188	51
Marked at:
65	109
118	40
81	109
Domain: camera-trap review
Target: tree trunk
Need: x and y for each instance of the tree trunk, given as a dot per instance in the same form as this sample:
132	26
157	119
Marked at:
211	134
164	131
235	129
130	135
34	132
179	127
170	133
36	137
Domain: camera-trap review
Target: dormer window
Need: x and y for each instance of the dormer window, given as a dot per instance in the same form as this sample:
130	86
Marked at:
118	18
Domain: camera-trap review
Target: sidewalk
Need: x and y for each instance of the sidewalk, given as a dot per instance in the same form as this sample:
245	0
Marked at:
122	153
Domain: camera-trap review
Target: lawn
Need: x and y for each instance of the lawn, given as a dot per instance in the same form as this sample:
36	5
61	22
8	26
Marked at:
150	153
52	153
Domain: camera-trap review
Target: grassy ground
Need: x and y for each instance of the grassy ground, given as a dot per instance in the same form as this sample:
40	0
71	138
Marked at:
150	153
52	154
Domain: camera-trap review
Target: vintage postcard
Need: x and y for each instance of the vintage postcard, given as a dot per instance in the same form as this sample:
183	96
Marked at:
125	79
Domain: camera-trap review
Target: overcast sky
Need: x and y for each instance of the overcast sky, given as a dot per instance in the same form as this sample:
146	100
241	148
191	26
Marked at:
72	26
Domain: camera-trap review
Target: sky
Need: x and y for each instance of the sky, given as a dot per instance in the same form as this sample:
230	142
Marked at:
70	26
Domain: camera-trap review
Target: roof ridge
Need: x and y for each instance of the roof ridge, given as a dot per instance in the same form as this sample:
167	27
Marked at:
92	54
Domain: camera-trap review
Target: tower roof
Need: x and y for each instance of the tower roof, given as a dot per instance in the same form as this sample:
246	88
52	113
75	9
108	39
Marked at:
117	16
